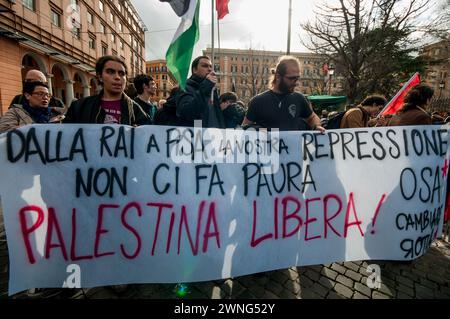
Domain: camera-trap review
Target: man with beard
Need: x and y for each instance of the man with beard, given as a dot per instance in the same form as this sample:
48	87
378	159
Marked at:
280	107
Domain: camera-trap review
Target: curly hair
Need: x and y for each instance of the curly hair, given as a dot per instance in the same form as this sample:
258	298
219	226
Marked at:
418	95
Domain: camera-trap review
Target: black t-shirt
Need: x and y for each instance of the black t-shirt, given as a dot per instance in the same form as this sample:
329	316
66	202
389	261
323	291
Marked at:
287	112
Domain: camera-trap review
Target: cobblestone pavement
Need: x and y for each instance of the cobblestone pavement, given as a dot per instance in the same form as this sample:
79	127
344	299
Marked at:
426	277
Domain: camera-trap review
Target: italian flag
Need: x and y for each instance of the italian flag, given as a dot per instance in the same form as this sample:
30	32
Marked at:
179	54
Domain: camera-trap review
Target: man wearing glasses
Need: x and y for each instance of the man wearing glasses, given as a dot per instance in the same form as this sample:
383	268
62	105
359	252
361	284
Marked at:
280	107
57	107
33	109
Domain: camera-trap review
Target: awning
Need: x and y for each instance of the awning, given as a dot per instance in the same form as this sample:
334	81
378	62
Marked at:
327	100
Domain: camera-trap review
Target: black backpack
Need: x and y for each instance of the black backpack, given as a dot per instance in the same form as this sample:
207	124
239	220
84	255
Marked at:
335	121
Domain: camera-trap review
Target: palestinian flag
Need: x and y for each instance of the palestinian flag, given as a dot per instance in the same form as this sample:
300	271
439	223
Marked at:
179	53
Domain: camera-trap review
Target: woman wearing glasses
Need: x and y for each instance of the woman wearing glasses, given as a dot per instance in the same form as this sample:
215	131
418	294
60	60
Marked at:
34	109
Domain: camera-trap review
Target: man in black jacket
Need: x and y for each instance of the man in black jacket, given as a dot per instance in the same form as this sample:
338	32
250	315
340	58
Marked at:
112	105
199	100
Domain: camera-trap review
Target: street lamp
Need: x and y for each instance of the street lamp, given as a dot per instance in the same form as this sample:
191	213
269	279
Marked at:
330	73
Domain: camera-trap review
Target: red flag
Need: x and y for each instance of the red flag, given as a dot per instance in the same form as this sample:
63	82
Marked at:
222	8
396	103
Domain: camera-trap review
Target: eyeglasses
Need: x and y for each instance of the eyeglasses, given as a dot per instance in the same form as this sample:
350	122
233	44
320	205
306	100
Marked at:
292	78
41	94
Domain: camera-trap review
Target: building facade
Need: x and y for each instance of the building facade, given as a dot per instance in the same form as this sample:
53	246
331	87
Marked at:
248	72
164	79
63	39
437	71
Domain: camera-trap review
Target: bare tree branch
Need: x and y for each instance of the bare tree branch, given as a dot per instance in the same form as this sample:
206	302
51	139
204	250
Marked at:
367	40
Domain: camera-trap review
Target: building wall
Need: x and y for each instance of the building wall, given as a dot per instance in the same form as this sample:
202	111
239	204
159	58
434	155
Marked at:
250	71
10	66
165	81
437	73
59	48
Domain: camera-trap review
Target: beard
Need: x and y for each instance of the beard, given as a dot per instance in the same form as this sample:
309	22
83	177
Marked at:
284	88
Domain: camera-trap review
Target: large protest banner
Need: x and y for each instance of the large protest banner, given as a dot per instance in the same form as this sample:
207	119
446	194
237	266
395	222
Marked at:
166	205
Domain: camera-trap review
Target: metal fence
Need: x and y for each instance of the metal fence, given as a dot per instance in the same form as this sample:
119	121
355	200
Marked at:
440	105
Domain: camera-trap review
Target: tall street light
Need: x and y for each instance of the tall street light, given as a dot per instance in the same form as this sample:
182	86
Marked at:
330	73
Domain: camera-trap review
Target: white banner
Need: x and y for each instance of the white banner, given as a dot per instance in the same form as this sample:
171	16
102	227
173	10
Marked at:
117	205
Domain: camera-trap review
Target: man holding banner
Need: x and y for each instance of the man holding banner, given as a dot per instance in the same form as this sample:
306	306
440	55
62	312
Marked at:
281	107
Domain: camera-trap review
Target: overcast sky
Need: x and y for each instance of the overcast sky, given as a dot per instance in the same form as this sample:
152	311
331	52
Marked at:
260	24
257	24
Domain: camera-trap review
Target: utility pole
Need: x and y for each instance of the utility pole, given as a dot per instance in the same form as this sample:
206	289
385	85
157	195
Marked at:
288	51
330	74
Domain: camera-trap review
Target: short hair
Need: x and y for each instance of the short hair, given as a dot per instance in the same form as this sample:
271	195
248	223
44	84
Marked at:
28	87
140	80
418	95
100	64
228	96
196	61
130	91
374	99
281	67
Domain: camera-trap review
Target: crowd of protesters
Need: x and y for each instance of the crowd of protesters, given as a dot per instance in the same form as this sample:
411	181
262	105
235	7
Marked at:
279	107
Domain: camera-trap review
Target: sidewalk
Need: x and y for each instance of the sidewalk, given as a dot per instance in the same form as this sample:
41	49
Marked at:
426	277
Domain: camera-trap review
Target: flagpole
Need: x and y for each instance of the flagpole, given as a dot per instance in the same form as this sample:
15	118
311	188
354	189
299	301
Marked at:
212	45
288	51
396	95
218	35
212	32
